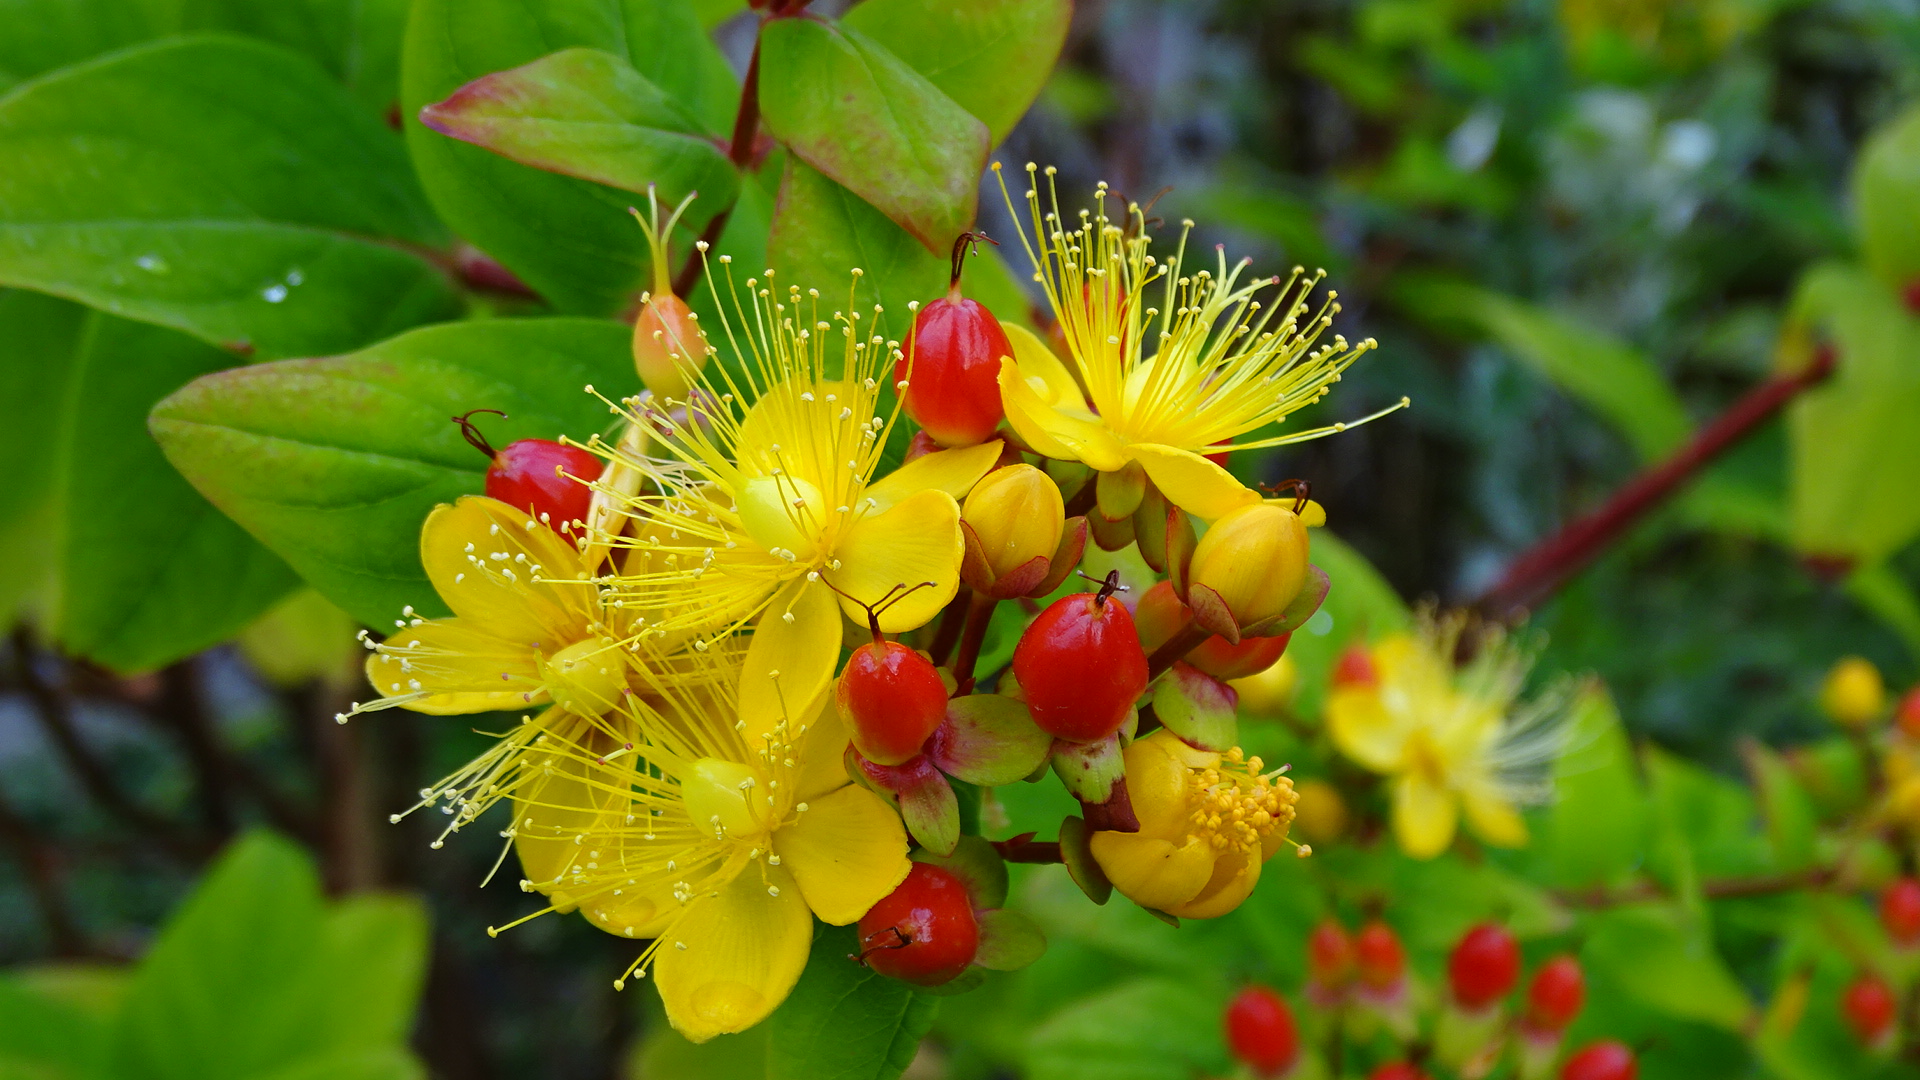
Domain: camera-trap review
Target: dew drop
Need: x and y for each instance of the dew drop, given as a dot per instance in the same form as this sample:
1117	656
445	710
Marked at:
273	294
152	264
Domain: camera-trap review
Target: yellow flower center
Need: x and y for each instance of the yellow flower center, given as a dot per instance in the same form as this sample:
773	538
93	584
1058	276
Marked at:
1233	807
783	514
587	677
719	795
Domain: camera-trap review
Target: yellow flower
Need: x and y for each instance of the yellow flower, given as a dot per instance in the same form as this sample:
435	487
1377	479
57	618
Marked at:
720	846
1207	823
763	503
1853	694
1450	739
1225	361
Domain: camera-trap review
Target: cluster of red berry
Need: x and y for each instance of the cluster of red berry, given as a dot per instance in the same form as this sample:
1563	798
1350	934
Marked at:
1364	975
1870	1004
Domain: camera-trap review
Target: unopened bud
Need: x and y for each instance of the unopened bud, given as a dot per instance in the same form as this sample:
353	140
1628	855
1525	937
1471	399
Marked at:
1255	559
1854	695
669	348
1018	516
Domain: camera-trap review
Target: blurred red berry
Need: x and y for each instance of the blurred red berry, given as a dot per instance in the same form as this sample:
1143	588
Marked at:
1910	294
1379	956
1557	993
1397	1070
1608	1059
1484	966
1900	911
1355	668
1907	713
1869	1006
1261	1032
1330	954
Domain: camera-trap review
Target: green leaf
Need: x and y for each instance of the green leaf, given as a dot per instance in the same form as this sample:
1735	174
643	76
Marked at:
588	114
1664	959
355	41
370	969
44	1038
148	570
844	1021
37	36
1886	188
858	114
335	463
1595	832
990	57
571	240
821	231
1855	460
36	365
1785	808
1882	591
1146	1029
1360	606
386	1063
273	215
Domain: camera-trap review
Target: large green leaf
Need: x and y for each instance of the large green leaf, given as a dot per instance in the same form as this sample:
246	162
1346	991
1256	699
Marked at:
44	1038
860	115
822	231
587	113
844	1021
36	353
37	36
148	570
1664	958
990	57
1786	809
1886	189
335	463
255	976
1147	1029
1855	464
570	239
1595	831
223	187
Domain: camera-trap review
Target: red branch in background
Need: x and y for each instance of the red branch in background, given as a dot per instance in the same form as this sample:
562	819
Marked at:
1541	571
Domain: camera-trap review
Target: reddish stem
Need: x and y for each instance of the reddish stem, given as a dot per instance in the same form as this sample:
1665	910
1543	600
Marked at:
746	128
1025	849
1184	641
979	616
1541	571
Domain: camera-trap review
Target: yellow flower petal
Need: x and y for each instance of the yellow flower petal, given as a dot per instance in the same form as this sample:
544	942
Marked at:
952	471
1494	819
1366	730
1191	482
745	948
918	540
1157	785
822	754
462	669
789	661
564	802
1234	876
846	852
1057	385
1152	872
506	578
1068	431
1424	815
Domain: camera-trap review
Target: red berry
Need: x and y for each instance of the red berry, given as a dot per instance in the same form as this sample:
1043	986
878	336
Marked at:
1608	1059
923	932
1355	668
1381	960
1261	1031
1869	1006
951	363
1160	614
1557	993
1397	1070
1330	954
1484	966
1910	295
1907	713
1900	911
892	698
528	475
1081	667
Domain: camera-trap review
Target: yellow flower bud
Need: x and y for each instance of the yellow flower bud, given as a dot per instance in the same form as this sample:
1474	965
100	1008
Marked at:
1207	823
1255	558
587	677
1269	692
1904	804
1321	813
1018	516
1853	695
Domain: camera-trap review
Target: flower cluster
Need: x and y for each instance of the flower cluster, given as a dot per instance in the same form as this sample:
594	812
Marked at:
742	629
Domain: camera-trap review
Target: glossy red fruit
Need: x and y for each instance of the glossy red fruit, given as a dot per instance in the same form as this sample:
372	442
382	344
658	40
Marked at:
1378	955
545	478
1557	993
1160	614
1484	966
1608	1059
892	698
1330	954
1900	911
1261	1031
1397	1070
1355	668
1081	667
923	932
1907	713
1869	1006
951	364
